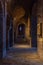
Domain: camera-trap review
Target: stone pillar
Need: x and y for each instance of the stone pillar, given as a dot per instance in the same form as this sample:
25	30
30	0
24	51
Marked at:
34	32
42	29
1	28
3	52
40	20
8	40
13	33
27	30
4	28
34	26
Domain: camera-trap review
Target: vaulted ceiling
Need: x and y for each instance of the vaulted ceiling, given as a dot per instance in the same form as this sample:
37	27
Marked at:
26	4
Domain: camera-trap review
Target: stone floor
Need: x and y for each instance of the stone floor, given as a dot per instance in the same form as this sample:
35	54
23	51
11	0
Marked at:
21	56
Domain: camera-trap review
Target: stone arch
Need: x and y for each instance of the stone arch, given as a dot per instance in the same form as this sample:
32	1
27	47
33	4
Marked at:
16	31
19	23
21	27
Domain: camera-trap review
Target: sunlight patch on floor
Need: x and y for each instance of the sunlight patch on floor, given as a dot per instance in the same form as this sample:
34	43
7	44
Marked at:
21	46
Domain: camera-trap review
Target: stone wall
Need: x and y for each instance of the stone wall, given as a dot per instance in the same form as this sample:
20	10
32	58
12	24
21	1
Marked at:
40	21
37	11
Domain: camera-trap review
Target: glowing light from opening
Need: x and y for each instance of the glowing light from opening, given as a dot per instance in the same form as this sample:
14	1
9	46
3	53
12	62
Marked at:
20	28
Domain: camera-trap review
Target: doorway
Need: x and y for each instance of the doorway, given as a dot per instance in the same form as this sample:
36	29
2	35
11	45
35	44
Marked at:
20	36
21	31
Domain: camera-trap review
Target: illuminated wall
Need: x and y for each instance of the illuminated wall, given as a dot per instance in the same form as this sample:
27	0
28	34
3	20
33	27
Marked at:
40	28
27	31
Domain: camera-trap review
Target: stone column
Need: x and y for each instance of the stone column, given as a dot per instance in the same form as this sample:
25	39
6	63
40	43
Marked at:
34	26
4	28
42	34
27	30
8	40
40	20
13	32
29	38
1	28
42	29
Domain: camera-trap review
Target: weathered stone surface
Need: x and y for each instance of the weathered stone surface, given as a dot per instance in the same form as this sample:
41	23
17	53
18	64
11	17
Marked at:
40	20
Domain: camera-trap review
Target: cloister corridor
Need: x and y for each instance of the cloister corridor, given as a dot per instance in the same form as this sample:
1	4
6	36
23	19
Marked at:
21	32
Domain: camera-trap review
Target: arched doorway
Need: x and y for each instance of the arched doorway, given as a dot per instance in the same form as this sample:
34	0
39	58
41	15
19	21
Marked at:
20	33
21	30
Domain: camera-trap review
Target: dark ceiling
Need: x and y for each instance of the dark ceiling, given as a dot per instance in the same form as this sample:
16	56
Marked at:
26	4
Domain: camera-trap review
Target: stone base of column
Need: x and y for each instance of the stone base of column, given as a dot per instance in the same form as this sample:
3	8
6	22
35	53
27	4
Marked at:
4	53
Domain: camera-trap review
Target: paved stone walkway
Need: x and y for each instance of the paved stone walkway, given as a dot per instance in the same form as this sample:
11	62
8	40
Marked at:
22	56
